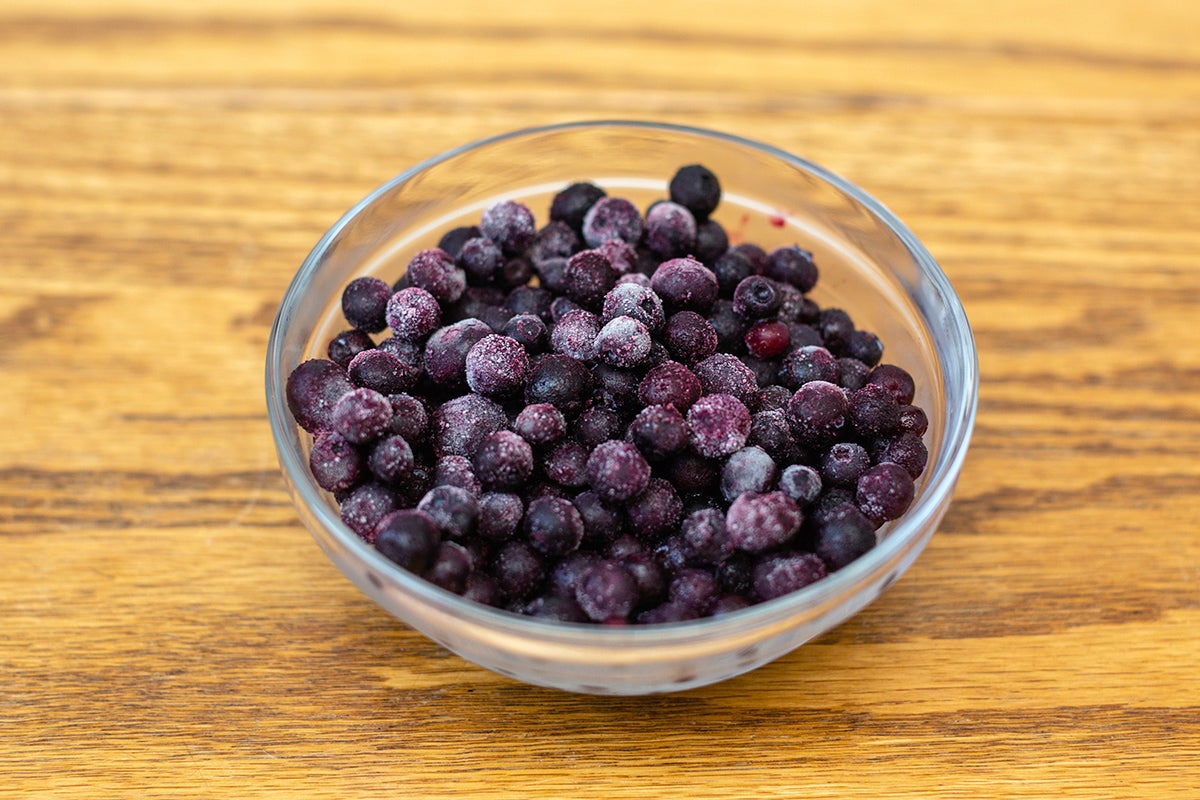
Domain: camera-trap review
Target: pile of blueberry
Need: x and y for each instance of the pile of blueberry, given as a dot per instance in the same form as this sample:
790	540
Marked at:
660	427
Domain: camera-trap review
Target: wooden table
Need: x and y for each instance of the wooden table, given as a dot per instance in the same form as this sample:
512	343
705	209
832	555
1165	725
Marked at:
170	630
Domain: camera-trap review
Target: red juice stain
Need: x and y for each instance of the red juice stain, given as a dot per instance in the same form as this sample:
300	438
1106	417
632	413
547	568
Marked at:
777	220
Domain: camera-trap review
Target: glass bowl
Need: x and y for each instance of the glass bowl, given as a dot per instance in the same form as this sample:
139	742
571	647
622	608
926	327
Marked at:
871	265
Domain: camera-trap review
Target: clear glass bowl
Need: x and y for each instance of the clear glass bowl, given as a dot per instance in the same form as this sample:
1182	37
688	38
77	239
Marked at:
871	265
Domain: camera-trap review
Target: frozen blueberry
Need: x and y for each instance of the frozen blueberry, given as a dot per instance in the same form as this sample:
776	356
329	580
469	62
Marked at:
670	611
750	469
761	521
515	272
874	412
575	335
560	380
756	297
711	242
685	283
777	576
606	591
793	265
843	536
500	516
800	482
413	313
587	278
658	432
718	425
480	260
689	337
623	256
450	568
566	463
313	389
595	425
364	303
530	300
632	300
483	589
728	603
617	388
896	380
391	459
696	188
382	371
344	346
766	373
767	339
408	538
457	471
518	570
670	383
497	366
697	588
540	424
612	218
510	225
736	573
446	350
852	374
670	230
553	526
730	326
529	331
906	449
864	346
555	240
567	572
808	363
453	240
572	203
772	398
771	431
656	510
884	492
844	463
411	353
835	327
705	538
723	373
410	419
692	473
731	268
912	419
362	415
454	510
818	412
554	607
504	461
617	471
562	306
459	425
602	522
434	271
365	505
623	342
335	463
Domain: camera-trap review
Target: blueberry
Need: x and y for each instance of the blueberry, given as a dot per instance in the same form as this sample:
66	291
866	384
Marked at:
553	526
671	384
800	482
793	265
344	346
529	331
912	419
736	573
730	326
413	313
606	590
835	327
482	588
480	260
530	300
459	425
572	203
761	521
773	398
459	472
612	218
692	473
411	353
615	387
730	269
566	574
365	505
658	432
364	304
874	412
685	283
689	337
554	607
434	271
670	230
852	374
595	425
632	300
705	537
623	342
562	306
651	584
696	188
906	449
454	510
755	254
808	363
518	570
756	297
510	225
718	425
382	371
696	588
540	424
313	389
390	459
453	240
818	412
602	522
566	463
750	469
335	463
844	463
555	240
500	516
711	242
622	255
670	611
575	335
767	339
617	471
896	380
560	380
515	272
587	278
450	568
844	536
497	366
771	431
362	415
864	346
504	461
408	538
723	373
777	576
884	492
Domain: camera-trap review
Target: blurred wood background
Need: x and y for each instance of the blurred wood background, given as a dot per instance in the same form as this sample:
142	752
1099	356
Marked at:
167	627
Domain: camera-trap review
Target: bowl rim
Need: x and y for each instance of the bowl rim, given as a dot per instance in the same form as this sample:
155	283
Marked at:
940	482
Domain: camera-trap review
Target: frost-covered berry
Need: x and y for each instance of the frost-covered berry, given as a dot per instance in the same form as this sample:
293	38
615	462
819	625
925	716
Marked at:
884	492
496	366
718	425
413	313
364	303
540	424
685	283
670	230
750	469
696	188
572	203
761	521
335	463
670	383
617	471
553	526
612	218
409	538
793	265
510	225
780	575
434	271
503	462
623	342
313	389
362	415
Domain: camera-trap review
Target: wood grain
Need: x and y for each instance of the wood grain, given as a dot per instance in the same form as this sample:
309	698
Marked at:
169	630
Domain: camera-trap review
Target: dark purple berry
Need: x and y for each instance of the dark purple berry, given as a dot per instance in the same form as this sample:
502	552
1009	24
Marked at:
413	313
408	538
595	425
382	371
500	516
671	384
555	608
696	188
728	603
365	505
457	471
480	260
874	412
766	373
691	473
670	230
768	339
756	297
718	425
510	225
344	346
606	590
515	272
689	337
446	351
844	463
731	268
562	306
601	522
632	300
658	432
553	526
452	509
777	576
723	373
560	380
453	240
504	461
835	327
800	482
434	271
771	431
685	283
575	334
864	346
669	611
843	536
756	255
530	300
852	374
773	398
482	588
612	218
617	471
391	459
711	242
518	570
459	425
588	276
362	415
566	463
624	342
730	326
450	568
906	449
896	380
750	469
913	420
705	537
697	588
411	353
623	256
793	265
656	510
364	304
884	492
497	366
758	522
651	585
736	573
572	203
818	412
808	363
529	331
566	574
555	240
335	463
313	389
540	424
